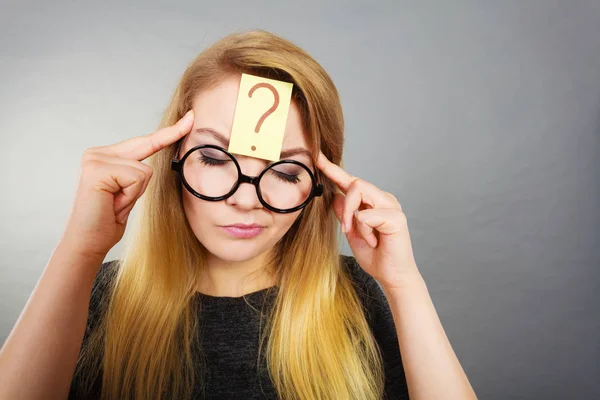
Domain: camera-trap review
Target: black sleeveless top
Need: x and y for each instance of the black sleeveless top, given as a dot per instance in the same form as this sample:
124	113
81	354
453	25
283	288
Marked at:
230	332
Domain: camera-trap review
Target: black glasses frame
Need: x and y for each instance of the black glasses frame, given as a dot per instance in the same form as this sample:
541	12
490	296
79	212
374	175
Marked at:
316	190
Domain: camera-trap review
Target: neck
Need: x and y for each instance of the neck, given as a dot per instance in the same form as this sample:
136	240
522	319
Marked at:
222	278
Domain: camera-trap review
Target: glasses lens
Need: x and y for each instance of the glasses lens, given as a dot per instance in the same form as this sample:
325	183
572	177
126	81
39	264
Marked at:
285	185
210	172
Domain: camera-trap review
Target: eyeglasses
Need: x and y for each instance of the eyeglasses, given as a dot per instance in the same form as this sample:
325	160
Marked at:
211	173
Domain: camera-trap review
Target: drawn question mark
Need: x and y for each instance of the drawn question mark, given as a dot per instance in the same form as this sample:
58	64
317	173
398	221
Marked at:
270	110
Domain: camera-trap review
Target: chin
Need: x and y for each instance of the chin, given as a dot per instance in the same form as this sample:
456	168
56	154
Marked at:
227	249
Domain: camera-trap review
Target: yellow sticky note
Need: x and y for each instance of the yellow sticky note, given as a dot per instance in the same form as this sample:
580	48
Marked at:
260	117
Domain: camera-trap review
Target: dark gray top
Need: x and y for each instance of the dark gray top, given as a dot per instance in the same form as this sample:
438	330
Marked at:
229	335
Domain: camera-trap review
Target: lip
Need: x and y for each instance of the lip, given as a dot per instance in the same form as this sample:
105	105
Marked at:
245	226
243	231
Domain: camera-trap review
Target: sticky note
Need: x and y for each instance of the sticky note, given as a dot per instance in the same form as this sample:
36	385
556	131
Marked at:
260	116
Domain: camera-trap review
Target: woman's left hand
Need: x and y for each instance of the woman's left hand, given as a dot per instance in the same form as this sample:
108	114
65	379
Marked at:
375	226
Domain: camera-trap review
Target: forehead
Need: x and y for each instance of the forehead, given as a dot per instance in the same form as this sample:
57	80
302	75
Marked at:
215	109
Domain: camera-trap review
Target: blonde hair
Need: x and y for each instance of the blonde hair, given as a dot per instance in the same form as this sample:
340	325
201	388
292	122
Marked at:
318	342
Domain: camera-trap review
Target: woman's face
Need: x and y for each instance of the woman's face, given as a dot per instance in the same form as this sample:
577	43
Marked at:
213	117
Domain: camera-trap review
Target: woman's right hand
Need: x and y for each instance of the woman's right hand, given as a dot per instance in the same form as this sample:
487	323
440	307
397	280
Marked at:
112	179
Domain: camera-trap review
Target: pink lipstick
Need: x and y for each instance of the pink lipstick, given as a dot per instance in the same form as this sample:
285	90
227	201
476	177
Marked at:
243	231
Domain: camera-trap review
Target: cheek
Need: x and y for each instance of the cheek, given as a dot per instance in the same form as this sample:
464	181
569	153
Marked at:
202	215
197	211
284	222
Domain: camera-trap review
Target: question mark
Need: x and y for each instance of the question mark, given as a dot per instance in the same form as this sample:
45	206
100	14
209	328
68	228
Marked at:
270	110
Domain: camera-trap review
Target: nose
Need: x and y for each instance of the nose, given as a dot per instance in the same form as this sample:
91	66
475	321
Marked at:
245	197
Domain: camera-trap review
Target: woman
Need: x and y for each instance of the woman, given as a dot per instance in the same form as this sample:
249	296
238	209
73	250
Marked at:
201	305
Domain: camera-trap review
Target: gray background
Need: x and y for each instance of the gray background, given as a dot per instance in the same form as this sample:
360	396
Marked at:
483	118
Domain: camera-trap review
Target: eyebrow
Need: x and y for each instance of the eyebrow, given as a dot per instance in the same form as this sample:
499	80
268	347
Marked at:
225	141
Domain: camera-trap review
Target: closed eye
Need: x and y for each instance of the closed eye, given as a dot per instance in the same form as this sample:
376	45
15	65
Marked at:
211	161
287	177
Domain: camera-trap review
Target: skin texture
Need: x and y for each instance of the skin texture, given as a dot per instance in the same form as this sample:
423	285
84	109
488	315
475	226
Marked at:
44	345
232	260
377	231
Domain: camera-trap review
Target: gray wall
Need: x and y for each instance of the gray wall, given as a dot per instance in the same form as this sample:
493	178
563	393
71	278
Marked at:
483	118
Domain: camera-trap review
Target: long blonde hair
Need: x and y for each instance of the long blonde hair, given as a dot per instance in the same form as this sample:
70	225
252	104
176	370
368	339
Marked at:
318	342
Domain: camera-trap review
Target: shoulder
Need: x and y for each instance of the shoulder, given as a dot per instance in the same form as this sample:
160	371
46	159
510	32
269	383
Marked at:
104	279
371	294
381	321
101	289
367	287
99	300
105	275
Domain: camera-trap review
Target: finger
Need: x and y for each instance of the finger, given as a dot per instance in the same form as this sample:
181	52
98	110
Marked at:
125	212
132	183
365	231
384	221
144	168
123	201
360	194
337	175
123	181
356	241
107	158
142	147
352	203
362	231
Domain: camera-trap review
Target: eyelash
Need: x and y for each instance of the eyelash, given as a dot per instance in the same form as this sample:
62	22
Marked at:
214	162
211	161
